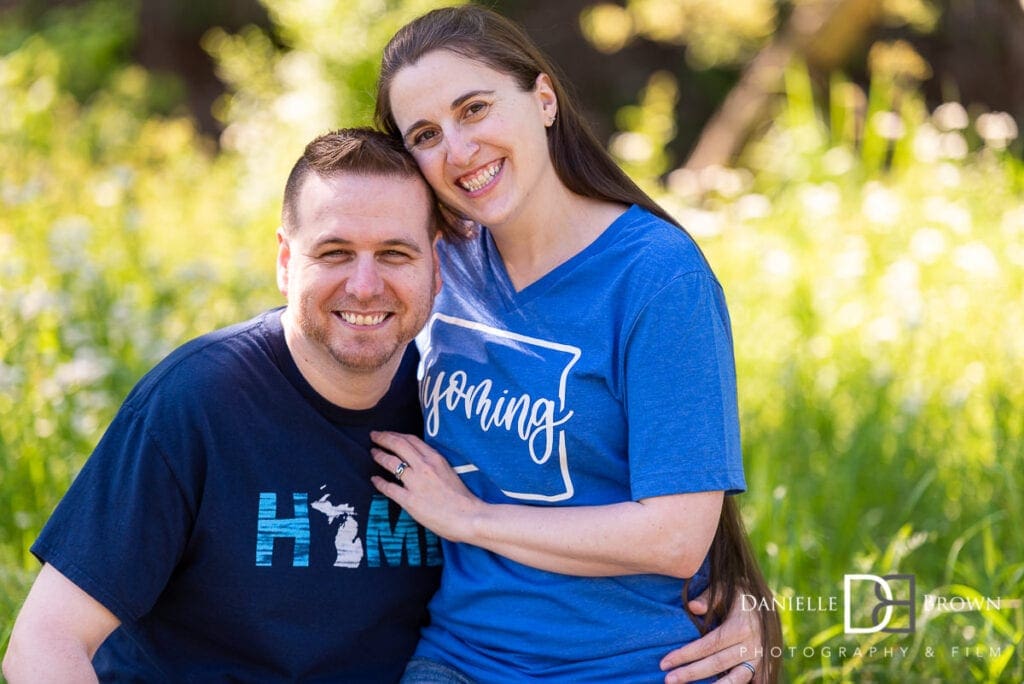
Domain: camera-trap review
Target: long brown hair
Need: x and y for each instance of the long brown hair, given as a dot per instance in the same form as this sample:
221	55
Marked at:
734	571
484	36
585	168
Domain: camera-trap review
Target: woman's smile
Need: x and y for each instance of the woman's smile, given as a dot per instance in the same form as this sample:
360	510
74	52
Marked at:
478	137
481	179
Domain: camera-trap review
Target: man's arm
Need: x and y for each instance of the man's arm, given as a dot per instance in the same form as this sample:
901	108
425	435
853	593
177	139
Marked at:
57	632
722	650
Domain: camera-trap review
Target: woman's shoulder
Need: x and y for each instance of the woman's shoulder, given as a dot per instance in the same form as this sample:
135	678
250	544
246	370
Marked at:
657	249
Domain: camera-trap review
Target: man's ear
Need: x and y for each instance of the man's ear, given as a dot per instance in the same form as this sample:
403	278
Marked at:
438	282
284	255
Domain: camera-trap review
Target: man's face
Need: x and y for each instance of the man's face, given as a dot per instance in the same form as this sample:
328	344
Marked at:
359	270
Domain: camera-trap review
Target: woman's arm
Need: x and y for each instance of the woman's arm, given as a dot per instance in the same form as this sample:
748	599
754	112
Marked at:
667	535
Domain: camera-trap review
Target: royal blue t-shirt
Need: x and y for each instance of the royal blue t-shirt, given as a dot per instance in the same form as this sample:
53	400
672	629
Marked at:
610	379
228	520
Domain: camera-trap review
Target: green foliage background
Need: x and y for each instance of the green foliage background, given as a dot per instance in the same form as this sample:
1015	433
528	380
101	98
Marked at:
874	275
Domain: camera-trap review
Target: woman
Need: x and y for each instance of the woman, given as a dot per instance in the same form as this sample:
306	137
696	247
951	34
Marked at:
578	377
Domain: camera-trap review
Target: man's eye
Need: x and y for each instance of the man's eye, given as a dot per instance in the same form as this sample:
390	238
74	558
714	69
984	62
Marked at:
394	256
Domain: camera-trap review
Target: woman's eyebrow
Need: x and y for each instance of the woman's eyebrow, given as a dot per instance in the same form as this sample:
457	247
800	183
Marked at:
471	94
456	103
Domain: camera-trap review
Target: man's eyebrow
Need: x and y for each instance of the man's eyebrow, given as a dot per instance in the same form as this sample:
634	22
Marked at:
456	103
393	242
399	242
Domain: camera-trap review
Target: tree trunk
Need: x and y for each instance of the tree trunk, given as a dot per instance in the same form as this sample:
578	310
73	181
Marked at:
823	33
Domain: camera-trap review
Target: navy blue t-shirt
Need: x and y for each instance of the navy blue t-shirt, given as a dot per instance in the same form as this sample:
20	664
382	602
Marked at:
228	520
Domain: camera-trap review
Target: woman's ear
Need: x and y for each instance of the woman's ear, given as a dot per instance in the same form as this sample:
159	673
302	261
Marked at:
545	93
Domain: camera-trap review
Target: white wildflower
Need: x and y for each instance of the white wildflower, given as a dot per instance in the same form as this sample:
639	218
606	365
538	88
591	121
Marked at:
889	125
950	116
631	147
820	201
952	145
752	206
997	129
778	262
927	143
881	205
927	244
977	260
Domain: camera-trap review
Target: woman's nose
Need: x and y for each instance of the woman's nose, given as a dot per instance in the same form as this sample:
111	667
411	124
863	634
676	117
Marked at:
461	147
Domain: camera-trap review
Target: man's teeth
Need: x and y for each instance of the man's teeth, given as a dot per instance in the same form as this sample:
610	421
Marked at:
362	319
481	177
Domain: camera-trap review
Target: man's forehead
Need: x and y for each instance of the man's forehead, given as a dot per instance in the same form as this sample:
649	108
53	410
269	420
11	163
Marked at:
352	197
381	185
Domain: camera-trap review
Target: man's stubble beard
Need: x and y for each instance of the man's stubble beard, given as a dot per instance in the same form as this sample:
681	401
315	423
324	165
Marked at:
355	356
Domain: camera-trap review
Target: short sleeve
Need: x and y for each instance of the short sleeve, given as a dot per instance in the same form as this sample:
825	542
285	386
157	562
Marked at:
121	528
680	381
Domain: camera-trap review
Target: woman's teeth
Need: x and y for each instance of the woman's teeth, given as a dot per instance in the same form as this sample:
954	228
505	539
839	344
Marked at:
481	178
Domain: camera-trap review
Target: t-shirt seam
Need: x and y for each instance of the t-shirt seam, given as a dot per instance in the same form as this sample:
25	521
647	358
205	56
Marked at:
628	337
202	346
699	272
53	555
137	415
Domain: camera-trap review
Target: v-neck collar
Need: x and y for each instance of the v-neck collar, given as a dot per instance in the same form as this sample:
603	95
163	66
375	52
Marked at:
513	298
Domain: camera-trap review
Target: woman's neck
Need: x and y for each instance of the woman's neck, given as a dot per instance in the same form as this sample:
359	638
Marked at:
547	234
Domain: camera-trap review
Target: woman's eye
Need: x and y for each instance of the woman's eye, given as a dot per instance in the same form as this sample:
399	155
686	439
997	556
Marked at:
424	138
475	109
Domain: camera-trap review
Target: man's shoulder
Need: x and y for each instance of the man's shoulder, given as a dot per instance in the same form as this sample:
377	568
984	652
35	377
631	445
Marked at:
212	362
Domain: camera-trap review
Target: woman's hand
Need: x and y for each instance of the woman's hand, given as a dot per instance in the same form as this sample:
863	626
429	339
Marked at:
572	540
430	490
724	649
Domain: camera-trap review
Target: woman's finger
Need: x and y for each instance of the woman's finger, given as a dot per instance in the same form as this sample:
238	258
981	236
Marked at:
713	642
706	667
392	490
390	462
410	447
737	675
398	442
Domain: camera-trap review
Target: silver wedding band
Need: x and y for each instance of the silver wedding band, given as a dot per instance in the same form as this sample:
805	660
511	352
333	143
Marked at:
400	469
750	667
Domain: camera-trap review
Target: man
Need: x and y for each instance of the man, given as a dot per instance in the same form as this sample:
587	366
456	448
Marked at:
226	525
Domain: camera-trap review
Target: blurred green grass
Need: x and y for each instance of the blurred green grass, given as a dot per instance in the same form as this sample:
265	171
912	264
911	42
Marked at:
875	279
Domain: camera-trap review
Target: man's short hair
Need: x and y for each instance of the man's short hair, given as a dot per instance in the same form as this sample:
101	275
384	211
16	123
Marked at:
361	151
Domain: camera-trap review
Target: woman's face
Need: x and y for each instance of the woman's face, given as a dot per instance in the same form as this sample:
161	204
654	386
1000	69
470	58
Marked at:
479	139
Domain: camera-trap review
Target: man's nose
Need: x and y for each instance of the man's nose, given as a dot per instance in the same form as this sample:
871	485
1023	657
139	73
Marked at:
365	281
